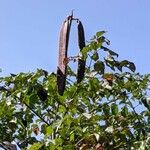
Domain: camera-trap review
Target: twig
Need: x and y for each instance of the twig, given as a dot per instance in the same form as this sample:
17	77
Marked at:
7	90
36	114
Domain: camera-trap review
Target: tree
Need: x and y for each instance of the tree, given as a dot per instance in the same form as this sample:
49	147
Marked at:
109	109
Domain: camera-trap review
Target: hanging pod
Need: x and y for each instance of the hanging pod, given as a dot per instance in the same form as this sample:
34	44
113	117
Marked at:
63	49
81	43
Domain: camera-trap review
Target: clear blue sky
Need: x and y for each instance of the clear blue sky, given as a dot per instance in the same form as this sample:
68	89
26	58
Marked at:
29	30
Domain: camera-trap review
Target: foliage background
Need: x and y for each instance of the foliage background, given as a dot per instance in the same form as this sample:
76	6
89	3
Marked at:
108	110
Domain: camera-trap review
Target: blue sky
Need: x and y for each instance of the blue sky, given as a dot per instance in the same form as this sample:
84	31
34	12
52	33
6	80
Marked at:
29	30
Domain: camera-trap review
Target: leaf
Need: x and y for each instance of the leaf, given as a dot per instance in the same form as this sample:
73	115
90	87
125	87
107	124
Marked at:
36	146
132	66
58	141
43	128
95	56
99	67
109	51
100	33
106	109
128	64
33	99
68	147
109	129
72	136
114	109
124	111
68	120
94	45
87	115
59	148
62	109
84	52
32	140
110	63
49	130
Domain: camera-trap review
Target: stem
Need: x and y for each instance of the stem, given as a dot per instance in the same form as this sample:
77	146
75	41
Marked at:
7	90
36	114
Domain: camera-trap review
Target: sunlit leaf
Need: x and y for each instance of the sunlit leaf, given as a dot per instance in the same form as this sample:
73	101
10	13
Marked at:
88	116
100	33
49	130
36	146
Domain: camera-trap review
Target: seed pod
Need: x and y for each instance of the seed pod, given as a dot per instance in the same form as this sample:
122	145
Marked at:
63	47
81	43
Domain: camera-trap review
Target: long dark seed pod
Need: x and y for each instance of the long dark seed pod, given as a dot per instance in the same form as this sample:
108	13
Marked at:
63	47
81	43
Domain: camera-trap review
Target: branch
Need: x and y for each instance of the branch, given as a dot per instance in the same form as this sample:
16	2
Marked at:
7	90
35	113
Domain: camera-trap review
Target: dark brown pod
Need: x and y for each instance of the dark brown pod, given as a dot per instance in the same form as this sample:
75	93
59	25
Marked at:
81	43
63	48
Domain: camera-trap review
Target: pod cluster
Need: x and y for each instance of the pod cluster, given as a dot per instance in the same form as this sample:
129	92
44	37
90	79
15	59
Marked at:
63	49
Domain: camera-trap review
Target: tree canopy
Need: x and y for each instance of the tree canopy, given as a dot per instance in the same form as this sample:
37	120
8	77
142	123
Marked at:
108	109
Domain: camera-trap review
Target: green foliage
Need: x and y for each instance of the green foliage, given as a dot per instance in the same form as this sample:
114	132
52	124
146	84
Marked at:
109	109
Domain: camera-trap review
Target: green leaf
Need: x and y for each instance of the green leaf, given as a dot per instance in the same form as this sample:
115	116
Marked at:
114	109
84	52
94	45
106	109
33	99
59	148
68	147
72	136
68	120
58	141
36	146
95	56
100	33
32	140
124	111
43	128
132	66
99	67
49	130
109	51
128	64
